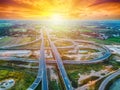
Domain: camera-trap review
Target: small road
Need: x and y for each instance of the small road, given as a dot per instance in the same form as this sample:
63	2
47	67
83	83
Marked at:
108	79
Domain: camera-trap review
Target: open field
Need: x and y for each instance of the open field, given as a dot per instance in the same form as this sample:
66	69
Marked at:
58	57
23	78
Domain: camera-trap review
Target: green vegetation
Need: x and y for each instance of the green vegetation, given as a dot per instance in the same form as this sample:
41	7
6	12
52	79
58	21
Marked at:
74	70
73	76
15	40
39	86
54	85
89	50
109	41
67	58
34	46
23	78
74	32
84	30
63	56
83	58
85	81
20	29
5	24
69	31
5	41
96	86
111	82
112	61
25	40
63	51
63	43
83	69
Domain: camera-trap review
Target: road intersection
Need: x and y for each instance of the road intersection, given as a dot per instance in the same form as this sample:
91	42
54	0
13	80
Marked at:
42	71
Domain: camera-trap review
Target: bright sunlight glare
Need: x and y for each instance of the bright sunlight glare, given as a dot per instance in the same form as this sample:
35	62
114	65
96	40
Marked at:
57	19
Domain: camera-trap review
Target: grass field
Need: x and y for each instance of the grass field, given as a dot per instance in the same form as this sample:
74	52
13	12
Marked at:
74	70
63	43
109	41
9	41
5	41
23	78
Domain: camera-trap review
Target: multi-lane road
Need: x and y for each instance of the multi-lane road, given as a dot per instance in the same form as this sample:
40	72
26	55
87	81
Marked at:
43	65
60	65
42	71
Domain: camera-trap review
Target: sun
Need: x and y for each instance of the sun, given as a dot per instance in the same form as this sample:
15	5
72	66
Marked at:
56	19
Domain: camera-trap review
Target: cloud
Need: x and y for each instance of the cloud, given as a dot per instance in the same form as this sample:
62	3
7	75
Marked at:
68	8
97	2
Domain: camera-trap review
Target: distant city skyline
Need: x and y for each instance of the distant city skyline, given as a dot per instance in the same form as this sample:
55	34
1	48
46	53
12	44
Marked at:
67	9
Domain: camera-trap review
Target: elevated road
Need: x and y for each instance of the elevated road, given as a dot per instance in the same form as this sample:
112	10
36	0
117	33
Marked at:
34	48
43	62
15	59
108	79
42	73
61	68
96	60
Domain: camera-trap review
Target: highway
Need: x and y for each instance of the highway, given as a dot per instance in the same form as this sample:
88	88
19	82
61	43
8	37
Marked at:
33	48
15	59
43	63
42	73
61	68
96	60
108	79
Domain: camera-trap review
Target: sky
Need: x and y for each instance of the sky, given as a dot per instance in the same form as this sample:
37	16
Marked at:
68	9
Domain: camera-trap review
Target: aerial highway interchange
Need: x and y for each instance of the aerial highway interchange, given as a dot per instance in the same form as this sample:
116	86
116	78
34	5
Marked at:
42	69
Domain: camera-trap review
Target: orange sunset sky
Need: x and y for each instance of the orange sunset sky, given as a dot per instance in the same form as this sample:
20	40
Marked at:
69	9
